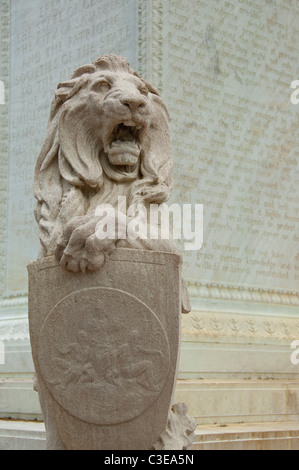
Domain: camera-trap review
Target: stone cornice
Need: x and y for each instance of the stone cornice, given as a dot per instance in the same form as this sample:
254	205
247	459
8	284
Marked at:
212	290
4	132
208	324
14	330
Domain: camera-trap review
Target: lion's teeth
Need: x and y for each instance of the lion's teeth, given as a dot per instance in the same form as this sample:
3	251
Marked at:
120	141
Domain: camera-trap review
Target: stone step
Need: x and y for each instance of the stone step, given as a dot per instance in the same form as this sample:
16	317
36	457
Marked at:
248	436
208	401
30	435
18	400
239	401
22	435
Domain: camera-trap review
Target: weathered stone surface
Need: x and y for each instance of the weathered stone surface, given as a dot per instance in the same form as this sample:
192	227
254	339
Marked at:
105	350
179	433
226	71
105	347
108	139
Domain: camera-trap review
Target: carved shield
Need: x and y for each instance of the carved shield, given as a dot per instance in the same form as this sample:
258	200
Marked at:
105	347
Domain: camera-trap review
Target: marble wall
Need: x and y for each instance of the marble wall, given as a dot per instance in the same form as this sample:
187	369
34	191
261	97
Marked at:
49	39
227	69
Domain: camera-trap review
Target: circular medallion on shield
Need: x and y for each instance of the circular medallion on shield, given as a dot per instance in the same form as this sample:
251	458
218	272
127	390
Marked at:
104	355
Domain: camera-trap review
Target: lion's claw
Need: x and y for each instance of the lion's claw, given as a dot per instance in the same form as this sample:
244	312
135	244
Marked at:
80	263
78	249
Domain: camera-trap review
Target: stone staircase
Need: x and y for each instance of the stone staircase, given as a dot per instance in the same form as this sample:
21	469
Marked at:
282	435
230	414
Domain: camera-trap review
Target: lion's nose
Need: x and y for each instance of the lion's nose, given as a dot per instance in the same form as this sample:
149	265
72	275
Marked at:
133	102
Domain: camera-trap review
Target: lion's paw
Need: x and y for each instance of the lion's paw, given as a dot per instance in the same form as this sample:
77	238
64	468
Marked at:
78	262
79	249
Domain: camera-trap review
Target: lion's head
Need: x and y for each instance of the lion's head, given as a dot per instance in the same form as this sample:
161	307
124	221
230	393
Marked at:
106	123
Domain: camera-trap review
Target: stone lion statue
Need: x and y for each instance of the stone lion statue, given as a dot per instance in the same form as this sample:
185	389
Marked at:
108	136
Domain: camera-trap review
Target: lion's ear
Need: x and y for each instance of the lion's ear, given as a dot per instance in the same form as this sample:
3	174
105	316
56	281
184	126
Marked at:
65	90
89	68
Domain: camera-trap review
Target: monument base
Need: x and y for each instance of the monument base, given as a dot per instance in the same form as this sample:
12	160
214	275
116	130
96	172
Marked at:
105	349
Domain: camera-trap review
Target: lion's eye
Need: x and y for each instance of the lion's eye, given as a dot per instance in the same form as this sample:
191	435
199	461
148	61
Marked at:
143	91
101	85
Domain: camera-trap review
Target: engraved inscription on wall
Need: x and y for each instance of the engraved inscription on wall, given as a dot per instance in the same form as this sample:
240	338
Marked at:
227	69
49	39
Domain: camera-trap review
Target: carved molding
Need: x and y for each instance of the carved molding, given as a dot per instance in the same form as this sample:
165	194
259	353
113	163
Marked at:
13	330
157	43
143	38
198	325
15	301
4	132
211	290
204	290
14	319
150	41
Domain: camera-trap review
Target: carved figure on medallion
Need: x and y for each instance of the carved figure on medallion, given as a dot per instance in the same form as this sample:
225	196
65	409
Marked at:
135	361
103	360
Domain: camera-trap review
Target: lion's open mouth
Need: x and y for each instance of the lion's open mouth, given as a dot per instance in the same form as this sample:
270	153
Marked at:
124	147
